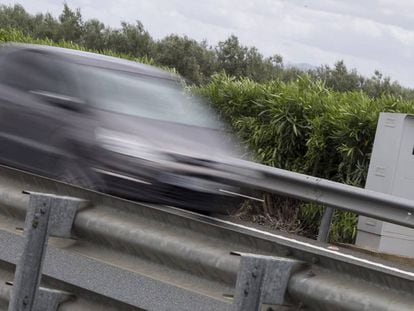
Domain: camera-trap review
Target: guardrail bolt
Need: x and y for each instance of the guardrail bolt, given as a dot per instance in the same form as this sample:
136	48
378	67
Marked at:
246	289
35	221
311	273
25	300
254	272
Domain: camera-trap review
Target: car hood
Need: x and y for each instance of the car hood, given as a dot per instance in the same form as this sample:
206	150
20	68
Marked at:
175	138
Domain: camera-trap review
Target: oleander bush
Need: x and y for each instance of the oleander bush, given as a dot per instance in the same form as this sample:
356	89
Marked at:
304	127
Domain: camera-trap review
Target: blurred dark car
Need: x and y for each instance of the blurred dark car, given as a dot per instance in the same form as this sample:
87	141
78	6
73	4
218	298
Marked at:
112	125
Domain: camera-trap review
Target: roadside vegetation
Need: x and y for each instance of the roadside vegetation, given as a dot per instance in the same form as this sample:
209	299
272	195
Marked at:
305	127
319	122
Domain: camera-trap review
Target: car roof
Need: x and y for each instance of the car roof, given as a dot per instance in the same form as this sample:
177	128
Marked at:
94	59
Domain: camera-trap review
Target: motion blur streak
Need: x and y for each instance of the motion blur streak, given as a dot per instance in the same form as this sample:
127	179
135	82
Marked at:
112	125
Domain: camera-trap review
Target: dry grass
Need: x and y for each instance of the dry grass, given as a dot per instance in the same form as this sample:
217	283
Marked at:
277	213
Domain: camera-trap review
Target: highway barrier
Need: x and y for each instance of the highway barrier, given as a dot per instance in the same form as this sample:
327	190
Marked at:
106	253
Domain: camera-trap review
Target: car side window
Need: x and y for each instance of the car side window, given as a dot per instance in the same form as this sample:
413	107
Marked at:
34	71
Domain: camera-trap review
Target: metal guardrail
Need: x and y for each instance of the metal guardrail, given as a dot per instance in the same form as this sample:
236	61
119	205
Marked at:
130	256
332	195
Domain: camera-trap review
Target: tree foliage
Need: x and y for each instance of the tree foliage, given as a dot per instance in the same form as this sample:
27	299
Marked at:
196	61
190	58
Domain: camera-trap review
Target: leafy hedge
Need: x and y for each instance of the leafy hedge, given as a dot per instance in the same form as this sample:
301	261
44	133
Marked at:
304	127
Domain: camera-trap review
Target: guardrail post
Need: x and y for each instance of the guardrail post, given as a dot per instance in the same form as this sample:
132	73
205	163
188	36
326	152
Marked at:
325	225
46	215
28	272
262	281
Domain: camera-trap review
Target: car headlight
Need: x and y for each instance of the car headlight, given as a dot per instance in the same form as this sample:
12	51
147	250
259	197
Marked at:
126	144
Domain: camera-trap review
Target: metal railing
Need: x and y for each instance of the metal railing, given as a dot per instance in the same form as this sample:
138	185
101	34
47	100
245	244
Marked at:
123	255
332	195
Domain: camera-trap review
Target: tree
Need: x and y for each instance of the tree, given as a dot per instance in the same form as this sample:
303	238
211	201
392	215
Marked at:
93	36
46	27
136	39
241	61
71	25
191	59
16	17
339	78
231	56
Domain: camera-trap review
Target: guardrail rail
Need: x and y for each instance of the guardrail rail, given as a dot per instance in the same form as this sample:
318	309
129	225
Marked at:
122	255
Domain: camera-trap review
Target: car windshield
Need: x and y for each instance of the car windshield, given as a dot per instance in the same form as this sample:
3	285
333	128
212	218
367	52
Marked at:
147	97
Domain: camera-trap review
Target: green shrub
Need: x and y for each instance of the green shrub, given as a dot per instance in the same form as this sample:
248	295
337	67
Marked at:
305	127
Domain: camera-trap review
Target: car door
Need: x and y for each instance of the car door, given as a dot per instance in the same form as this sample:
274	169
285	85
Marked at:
30	128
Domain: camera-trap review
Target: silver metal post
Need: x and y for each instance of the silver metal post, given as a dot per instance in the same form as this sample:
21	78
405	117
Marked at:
28	271
262	281
325	226
47	215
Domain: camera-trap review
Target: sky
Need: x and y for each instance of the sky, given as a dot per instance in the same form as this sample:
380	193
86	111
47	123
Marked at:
366	34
